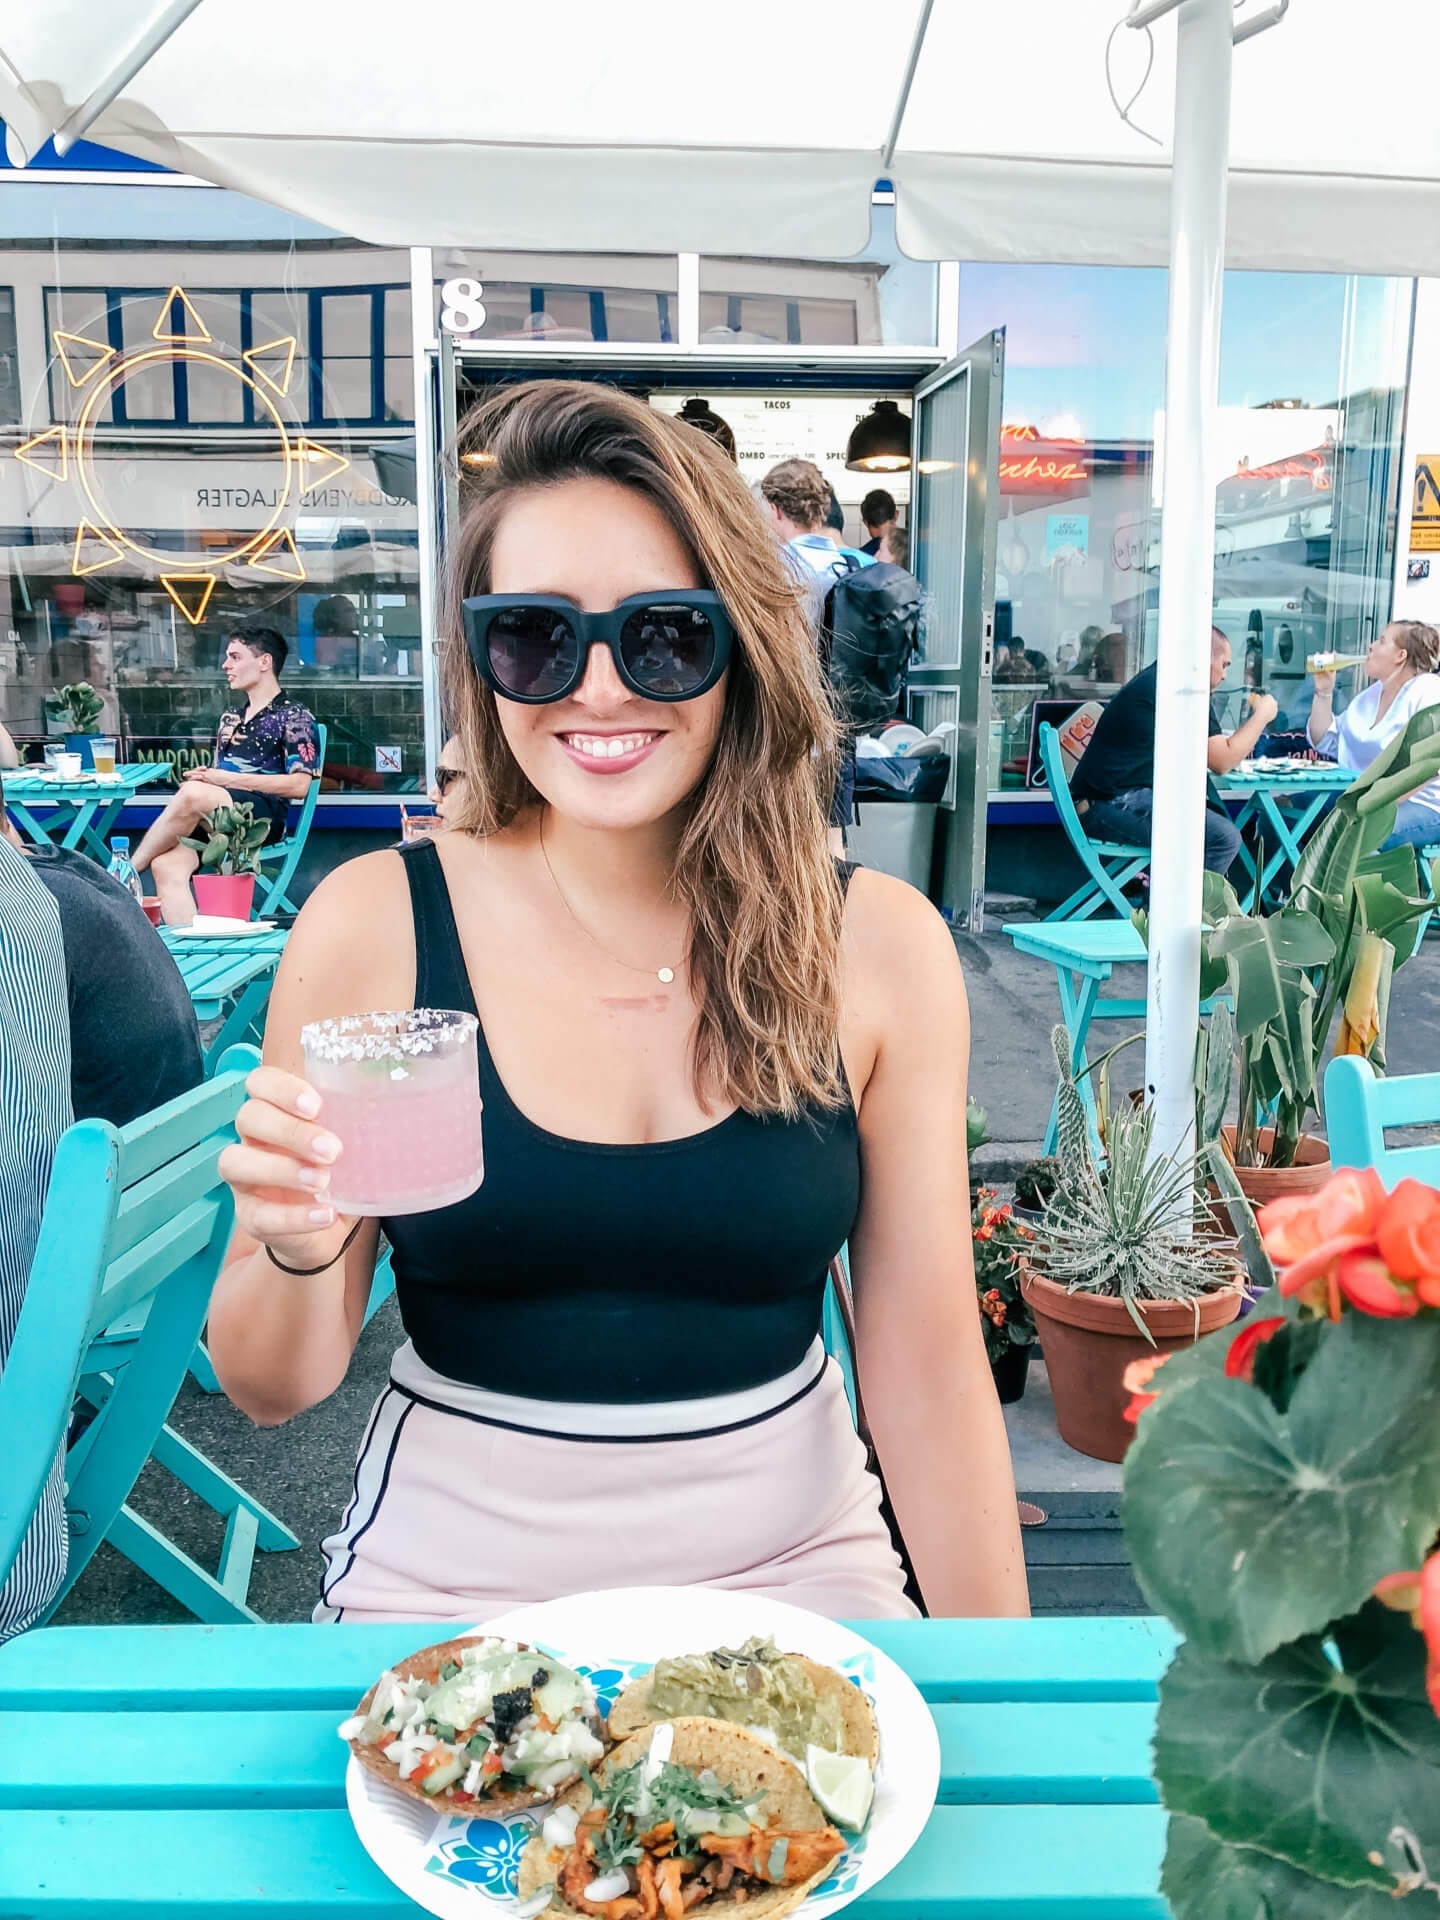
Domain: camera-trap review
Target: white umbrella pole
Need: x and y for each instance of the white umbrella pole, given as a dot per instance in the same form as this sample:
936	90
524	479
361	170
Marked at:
1192	372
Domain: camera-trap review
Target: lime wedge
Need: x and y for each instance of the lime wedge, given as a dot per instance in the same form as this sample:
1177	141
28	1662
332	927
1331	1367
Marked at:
843	1784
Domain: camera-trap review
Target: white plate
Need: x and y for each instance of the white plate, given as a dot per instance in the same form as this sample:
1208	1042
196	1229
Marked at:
464	1867
215	926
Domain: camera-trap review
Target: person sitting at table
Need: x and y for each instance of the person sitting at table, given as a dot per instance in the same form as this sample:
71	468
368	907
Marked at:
1113	785
1400	667
267	751
134	1040
699	1082
35	1111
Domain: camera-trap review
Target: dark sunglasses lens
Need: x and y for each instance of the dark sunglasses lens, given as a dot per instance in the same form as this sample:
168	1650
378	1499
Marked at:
445	778
668	650
533	651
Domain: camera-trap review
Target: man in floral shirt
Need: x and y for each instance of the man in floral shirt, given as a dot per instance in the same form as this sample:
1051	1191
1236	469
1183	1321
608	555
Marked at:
267	751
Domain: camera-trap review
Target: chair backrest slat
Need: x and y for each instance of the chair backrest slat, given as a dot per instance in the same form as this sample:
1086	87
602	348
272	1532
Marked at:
1360	1107
1053	761
149	1203
156	1138
135	1227
131	1280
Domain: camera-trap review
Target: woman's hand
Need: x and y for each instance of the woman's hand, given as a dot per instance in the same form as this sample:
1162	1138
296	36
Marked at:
279	1170
1324	685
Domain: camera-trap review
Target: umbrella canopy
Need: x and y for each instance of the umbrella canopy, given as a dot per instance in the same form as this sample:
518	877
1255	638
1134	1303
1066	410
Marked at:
759	128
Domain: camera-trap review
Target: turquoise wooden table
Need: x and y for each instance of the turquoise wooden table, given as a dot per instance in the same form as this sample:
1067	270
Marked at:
161	1772
229	979
1283	806
76	813
1083	954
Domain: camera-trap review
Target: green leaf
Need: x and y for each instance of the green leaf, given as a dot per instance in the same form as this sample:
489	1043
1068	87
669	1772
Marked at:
1314	1759
214	854
1203	1879
1249	1527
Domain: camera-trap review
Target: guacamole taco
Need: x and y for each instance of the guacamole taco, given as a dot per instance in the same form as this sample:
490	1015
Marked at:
688	1813
795	1702
477	1723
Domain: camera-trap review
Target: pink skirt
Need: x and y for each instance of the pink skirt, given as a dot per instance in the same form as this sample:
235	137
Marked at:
467	1503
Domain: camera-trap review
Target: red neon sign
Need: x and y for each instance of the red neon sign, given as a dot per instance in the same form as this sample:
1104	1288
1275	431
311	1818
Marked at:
1029	464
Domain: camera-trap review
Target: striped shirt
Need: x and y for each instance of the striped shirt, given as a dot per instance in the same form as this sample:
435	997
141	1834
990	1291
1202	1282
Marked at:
34	1112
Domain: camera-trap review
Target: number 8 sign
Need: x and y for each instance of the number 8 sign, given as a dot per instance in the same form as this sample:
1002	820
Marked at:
462	309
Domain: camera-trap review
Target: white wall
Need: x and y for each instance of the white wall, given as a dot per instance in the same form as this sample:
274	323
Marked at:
1420	599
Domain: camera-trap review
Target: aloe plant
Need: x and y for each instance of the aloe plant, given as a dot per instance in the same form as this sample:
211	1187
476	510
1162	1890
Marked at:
234	840
1119	1226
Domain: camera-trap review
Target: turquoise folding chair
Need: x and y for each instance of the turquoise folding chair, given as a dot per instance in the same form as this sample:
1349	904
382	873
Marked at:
1360	1106
287	852
135	1227
1110	864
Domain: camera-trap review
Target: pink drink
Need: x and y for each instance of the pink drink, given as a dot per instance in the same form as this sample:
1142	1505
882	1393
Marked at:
402	1093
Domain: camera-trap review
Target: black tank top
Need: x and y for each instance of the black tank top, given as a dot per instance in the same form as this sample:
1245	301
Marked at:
588	1272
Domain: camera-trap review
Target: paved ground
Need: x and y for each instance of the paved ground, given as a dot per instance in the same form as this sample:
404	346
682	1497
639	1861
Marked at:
303	1470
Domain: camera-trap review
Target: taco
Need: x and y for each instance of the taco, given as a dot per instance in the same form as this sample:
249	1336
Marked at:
477	1722
688	1813
795	1702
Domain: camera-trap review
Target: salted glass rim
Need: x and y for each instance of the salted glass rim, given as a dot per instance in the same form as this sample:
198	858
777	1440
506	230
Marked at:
405	1034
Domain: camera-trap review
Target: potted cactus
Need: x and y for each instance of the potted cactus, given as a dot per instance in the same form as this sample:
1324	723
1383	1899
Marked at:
229	861
1116	1272
77	708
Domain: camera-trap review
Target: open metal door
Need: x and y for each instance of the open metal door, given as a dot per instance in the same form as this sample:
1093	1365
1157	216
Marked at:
955	486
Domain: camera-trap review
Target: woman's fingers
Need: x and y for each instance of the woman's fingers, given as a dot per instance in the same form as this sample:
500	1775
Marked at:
269	1221
261	1122
255	1169
284	1090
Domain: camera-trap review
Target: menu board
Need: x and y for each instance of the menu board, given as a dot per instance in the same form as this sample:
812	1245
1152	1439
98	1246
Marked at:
771	427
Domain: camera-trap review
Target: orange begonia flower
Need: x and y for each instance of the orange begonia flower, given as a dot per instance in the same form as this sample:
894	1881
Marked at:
1240	1358
1418	1594
1306	1235
1408	1234
1368	1284
1136	1382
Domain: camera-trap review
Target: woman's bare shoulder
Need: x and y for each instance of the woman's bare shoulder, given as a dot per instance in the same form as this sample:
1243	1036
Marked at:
902	972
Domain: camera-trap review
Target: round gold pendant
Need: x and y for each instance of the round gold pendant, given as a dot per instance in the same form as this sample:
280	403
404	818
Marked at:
665	976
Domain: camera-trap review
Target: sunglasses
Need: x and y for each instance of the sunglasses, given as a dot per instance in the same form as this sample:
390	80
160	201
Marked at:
445	778
534	647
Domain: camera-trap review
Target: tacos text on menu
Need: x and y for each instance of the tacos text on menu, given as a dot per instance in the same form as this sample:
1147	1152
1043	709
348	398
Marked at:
690	1813
477	1722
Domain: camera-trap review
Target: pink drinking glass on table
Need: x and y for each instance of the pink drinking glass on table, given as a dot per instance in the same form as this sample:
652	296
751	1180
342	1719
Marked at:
401	1092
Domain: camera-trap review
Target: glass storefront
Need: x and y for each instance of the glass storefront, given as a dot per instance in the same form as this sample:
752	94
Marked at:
206	417
1312	388
206	394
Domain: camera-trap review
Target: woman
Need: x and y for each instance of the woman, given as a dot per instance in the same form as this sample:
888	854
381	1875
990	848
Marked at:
447	789
704	1068
1401	668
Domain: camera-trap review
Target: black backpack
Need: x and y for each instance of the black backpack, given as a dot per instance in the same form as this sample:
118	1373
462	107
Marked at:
871	627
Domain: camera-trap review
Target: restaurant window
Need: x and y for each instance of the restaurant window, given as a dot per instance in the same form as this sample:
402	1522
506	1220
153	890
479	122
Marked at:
9	360
1312	376
222	460
880	298
558	298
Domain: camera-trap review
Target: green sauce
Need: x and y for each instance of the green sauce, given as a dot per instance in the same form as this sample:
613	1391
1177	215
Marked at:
755	1686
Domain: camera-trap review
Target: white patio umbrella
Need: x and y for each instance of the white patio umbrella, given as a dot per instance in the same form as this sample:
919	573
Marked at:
761	128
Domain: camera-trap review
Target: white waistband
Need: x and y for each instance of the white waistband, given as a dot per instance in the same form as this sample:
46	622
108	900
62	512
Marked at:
647	1420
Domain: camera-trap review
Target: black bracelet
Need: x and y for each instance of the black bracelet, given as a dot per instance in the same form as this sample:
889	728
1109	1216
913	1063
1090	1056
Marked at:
308	1273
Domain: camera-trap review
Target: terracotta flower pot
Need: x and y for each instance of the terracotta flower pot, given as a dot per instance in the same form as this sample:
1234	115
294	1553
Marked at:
1009	1373
229	896
1089	1340
1260	1185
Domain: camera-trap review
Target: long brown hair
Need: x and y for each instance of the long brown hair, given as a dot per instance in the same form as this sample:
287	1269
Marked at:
753	867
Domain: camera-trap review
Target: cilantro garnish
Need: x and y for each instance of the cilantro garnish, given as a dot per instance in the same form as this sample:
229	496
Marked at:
674	1791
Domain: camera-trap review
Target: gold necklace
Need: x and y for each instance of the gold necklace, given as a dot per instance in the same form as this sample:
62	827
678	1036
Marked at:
665	975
